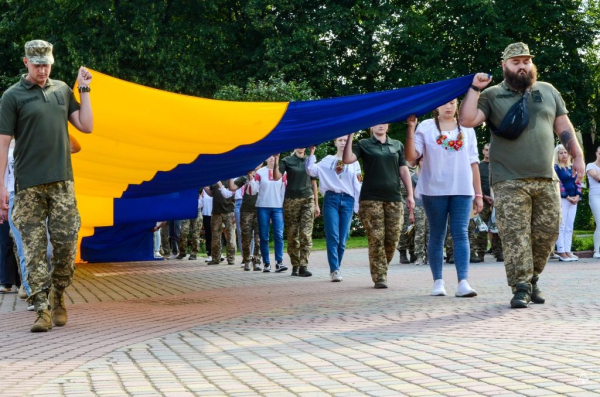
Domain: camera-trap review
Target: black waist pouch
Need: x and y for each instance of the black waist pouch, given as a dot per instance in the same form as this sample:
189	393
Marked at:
515	121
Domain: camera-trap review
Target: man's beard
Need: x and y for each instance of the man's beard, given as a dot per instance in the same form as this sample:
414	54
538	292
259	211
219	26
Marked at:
520	82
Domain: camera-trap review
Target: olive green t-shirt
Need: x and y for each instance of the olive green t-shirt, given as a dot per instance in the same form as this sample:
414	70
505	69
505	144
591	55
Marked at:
298	181
221	205
248	200
531	154
37	118
381	165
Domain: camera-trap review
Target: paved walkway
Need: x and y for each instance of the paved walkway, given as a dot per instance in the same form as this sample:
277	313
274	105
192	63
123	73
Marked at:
181	328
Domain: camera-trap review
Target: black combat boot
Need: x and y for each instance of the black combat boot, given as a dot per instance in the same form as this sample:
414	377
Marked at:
522	296
403	257
304	272
536	293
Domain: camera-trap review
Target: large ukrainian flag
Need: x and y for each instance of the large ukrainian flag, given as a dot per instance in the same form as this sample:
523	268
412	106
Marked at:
151	150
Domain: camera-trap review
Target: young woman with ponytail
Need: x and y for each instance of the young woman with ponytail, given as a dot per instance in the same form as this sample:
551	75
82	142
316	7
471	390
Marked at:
449	185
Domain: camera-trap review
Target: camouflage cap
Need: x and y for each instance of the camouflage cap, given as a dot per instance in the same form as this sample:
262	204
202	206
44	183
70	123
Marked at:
516	50
39	52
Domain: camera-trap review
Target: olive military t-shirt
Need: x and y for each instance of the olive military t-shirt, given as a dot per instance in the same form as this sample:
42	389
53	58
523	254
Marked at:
531	154
381	165
221	204
249	200
37	118
298	181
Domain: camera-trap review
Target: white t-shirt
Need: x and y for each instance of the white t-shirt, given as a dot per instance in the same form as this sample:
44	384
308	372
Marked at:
445	172
347	181
594	184
270	192
207	204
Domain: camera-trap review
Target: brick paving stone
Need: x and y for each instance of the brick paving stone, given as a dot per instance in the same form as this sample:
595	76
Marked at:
176	328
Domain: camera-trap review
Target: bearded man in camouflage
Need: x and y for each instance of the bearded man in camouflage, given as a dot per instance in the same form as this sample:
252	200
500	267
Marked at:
35	111
525	187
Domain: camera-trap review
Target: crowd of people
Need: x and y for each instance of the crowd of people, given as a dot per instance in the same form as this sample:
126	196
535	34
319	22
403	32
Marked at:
432	187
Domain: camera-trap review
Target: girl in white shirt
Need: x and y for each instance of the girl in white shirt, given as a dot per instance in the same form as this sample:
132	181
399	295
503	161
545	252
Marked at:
447	184
340	184
269	208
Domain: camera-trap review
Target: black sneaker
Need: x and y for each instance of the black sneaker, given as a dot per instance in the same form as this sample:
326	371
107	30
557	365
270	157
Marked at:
380	285
267	268
280	267
474	259
303	272
247	267
181	256
192	257
257	268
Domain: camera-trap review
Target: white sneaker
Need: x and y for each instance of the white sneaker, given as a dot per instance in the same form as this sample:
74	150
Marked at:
596	255
561	259
336	276
157	255
30	308
208	259
464	290
172	256
555	256
438	288
574	257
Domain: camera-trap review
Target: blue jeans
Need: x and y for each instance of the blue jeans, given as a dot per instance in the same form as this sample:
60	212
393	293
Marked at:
19	244
265	216
337	214
238	223
438	208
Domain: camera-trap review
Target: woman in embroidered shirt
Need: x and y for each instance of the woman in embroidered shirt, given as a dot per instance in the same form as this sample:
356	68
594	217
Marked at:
340	184
447	184
570	194
593	173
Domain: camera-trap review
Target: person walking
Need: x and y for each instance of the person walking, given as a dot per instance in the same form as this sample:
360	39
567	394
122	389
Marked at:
36	111
340	184
449	186
380	201
300	207
269	209
526	194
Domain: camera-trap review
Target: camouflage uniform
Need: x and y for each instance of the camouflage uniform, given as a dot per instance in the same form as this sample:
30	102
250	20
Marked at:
249	226
421	233
449	243
407	240
383	222
528	215
190	234
216	224
299	217
164	239
56	202
479	241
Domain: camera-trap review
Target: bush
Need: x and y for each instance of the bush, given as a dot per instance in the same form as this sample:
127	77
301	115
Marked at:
582	244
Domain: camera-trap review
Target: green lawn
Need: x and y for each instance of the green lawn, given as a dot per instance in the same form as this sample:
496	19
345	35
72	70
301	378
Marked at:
320	245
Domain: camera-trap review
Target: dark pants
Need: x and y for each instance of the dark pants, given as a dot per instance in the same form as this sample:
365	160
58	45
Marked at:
207	233
174	235
9	273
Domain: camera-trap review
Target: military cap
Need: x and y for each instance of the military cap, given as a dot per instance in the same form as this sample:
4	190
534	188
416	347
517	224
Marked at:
516	50
39	52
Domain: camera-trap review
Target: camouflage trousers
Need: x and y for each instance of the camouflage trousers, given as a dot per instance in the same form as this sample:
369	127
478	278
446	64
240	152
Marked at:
407	240
299	217
164	239
528	215
421	233
249	226
190	234
449	243
217	222
479	241
382	221
56	203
